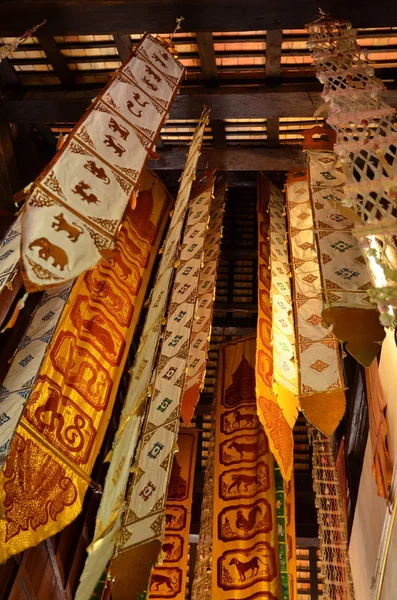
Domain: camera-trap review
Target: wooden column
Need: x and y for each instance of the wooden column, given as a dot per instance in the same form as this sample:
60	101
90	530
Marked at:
273	73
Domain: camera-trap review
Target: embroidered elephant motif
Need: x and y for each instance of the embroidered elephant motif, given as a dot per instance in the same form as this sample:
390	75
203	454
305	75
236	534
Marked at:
49	250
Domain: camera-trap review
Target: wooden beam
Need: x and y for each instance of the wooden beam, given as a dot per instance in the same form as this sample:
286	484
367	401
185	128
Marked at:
235	159
8	76
52	106
273	53
56	59
218	133
123	44
209	71
273	132
70	17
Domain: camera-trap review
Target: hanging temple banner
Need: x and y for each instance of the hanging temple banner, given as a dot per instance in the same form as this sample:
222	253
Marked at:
201	333
73	212
245	552
47	472
109	516
273	410
143	522
321	386
345	279
168	578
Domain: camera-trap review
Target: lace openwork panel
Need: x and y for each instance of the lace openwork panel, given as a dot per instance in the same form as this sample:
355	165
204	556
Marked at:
367	147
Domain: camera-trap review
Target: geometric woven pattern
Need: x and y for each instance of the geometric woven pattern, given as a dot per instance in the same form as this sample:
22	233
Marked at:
334	555
366	145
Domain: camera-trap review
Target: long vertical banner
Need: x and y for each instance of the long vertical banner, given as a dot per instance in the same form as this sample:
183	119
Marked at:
75	207
271	414
168	579
56	443
143	524
201	333
345	278
321	386
285	494
109	516
245	555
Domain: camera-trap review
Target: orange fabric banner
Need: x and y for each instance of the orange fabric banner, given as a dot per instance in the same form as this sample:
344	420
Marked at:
245	554
277	429
47	472
382	466
168	579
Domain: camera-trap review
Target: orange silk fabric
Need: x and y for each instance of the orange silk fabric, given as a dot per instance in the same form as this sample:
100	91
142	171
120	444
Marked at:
57	441
278	431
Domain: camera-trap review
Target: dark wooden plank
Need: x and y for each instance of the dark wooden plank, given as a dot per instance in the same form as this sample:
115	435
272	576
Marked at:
218	133
55	567
68	17
56	58
272	132
313	573
209	71
235	307
9	175
123	44
52	106
235	159
273	53
8	76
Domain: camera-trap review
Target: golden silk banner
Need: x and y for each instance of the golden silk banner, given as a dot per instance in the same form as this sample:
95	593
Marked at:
271	413
245	552
10	253
168	578
110	511
47	472
345	278
73	212
201	333
143	522
321	385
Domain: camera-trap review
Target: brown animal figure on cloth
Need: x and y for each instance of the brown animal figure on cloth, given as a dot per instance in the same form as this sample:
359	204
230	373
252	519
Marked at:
95	326
49	250
110	142
249	419
245	481
252	565
243	448
122	131
99	172
247	525
73	231
168	549
157	580
81	189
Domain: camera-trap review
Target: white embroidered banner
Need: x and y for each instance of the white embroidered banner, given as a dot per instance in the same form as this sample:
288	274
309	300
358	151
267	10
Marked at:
201	333
112	504
10	253
345	278
21	377
74	210
320	376
143	523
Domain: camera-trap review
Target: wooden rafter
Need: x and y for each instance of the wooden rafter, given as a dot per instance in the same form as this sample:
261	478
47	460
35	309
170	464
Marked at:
71	17
273	73
123	45
209	71
218	133
235	159
56	59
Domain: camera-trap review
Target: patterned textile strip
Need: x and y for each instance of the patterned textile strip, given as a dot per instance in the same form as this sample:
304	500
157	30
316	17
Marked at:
201	333
382	467
245	554
334	555
202	584
271	415
48	469
367	146
284	363
143	521
320	377
21	378
285	497
168	578
10	253
73	213
112	504
344	274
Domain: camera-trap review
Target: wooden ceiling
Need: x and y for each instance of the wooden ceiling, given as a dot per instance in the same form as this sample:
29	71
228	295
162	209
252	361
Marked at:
247	61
